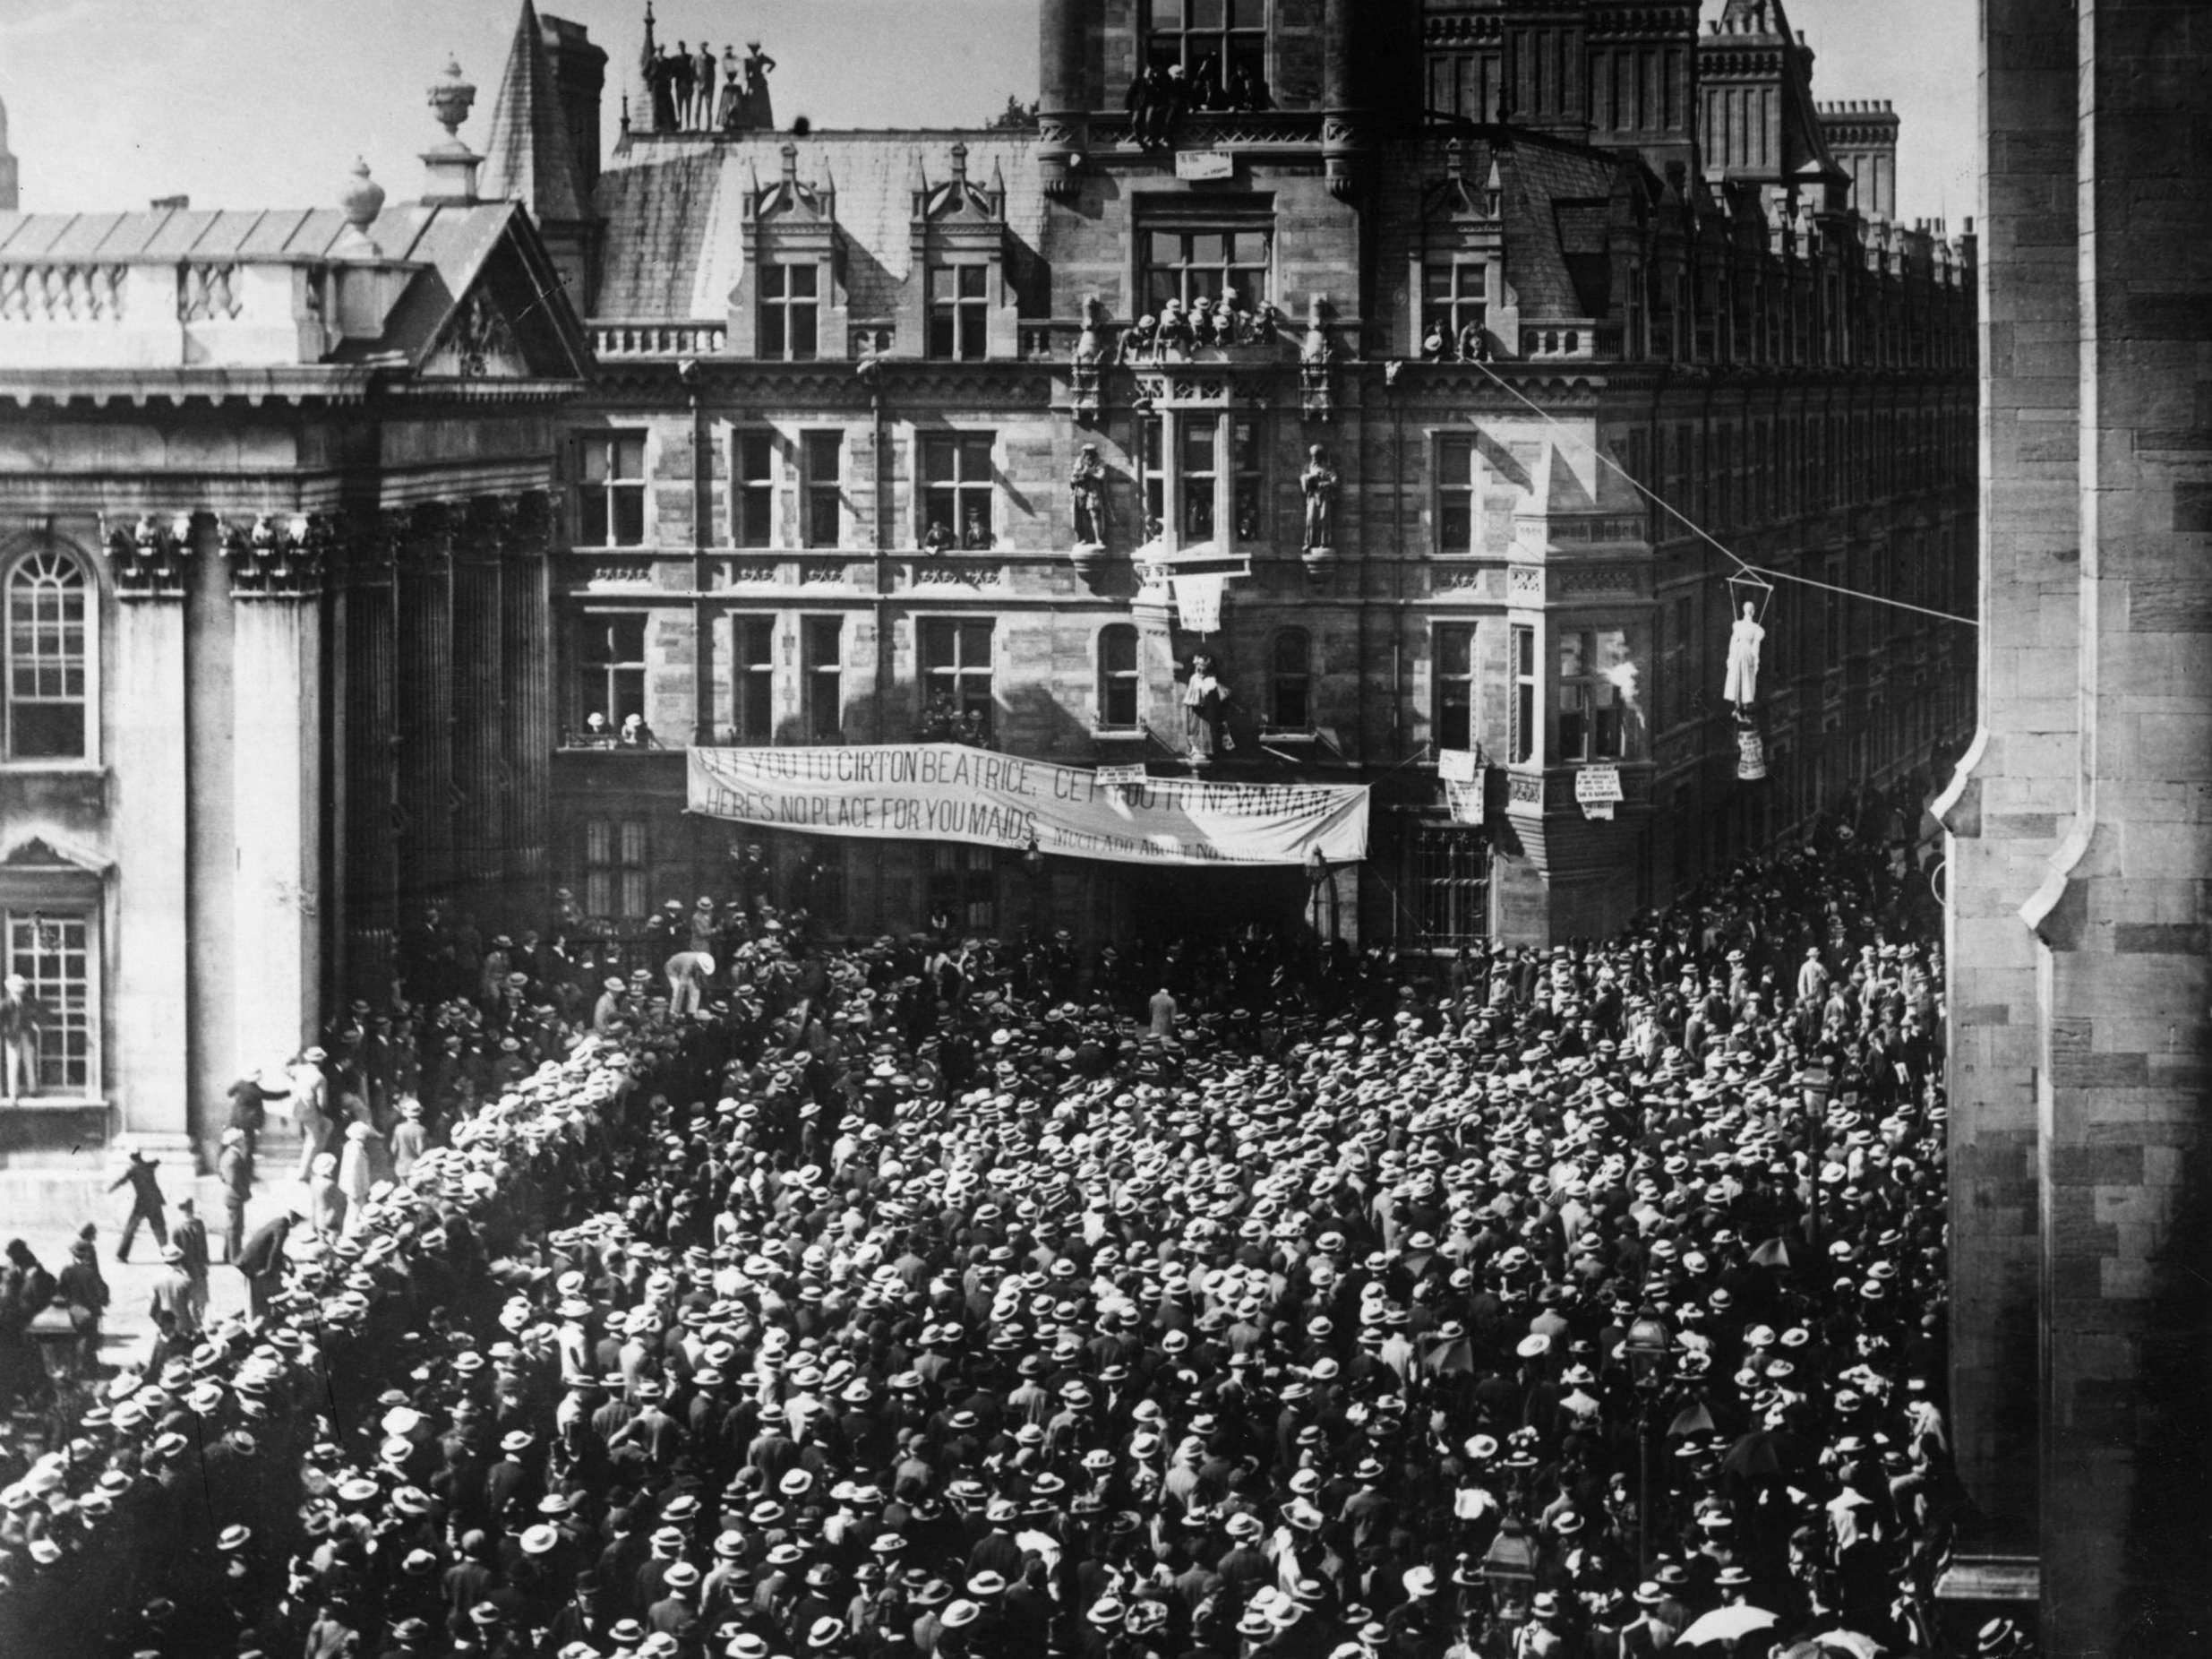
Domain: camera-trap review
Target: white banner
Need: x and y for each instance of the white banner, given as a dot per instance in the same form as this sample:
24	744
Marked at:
1199	601
945	792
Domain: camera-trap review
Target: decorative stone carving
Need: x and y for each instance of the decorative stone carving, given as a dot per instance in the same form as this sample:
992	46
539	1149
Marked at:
1090	355
277	557
1315	356
151	557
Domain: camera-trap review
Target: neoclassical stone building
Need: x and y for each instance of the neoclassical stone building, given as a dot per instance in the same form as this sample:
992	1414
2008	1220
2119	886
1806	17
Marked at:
274	535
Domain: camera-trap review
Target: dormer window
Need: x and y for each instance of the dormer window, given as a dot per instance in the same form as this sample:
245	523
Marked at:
790	310
960	311
796	310
957	307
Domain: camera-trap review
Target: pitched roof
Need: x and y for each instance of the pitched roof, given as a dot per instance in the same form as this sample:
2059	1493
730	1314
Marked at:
527	158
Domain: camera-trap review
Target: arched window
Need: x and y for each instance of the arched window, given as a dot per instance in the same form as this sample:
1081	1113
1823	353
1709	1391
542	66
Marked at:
1290	685
46	658
1117	675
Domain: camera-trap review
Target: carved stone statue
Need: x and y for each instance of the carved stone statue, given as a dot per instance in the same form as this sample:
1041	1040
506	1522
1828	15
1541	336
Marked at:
1315	355
1318	484
1090	355
1087	483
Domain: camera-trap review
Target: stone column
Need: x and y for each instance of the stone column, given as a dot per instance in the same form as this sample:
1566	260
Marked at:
1343	142
150	806
480	776
2014	790
276	788
1062	96
365	844
526	729
422	610
2124	915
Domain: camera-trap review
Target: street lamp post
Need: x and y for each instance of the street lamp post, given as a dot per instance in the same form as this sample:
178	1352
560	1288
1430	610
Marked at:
1816	1086
1646	1348
1033	867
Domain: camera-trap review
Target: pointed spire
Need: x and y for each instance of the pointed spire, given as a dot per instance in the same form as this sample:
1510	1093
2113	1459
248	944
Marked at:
528	157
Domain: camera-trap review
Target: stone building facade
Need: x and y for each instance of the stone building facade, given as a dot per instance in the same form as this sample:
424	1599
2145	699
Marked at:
274	538
1504	335
2080	838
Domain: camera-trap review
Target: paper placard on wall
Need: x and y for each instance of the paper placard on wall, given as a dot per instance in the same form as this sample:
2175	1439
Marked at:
1456	766
1120	776
1597	786
1465	801
1204	164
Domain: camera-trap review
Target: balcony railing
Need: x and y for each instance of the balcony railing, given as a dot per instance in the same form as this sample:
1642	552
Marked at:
621	337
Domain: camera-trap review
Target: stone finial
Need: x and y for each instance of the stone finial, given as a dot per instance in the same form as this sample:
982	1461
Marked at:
451	97
361	200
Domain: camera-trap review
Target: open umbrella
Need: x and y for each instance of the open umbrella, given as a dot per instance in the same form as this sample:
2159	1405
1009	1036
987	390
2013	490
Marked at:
1765	1452
1728	1624
1848	1644
1454	1354
1692	1419
1773	1253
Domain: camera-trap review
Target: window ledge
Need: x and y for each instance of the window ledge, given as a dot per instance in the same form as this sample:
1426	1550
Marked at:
58	1102
1289	735
1119	734
64	769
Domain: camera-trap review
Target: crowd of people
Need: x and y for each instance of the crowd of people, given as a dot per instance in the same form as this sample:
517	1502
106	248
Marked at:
946	1297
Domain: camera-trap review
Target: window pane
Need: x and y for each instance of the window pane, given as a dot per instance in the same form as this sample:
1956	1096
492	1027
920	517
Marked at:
597	452
1167	13
975	458
1455	524
1248	13
1199	444
936	458
593	526
1570	659
771	330
628	517
1206	14
802	330
1455	650
630	455
772	281
1251	247
938	645
1117	649
972	281
1166	248
975	644
801	280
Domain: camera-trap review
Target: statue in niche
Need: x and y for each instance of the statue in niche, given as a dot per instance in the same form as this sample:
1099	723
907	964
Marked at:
1318	483
1087	483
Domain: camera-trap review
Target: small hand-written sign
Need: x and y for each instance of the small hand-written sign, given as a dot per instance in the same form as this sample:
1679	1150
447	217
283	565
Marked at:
1119	777
1595	790
1456	766
1204	164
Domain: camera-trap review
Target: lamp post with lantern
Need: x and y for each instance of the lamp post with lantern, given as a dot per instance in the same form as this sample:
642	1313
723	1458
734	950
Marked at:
1646	1347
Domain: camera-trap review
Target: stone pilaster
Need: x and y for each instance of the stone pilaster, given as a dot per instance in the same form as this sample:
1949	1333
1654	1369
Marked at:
276	785
481	778
2012	793
150	808
423	717
2125	917
366	823
527	703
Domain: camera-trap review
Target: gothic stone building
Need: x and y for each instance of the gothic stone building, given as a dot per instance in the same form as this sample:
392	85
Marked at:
813	349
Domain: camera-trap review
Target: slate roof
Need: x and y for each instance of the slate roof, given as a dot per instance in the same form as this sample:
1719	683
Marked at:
528	157
673	209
